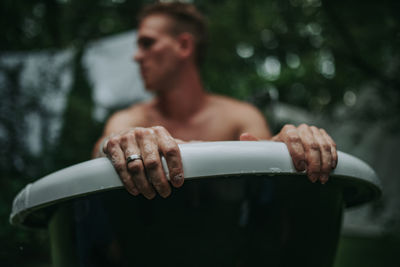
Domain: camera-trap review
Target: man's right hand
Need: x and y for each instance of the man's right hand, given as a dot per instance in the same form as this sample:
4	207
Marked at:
145	175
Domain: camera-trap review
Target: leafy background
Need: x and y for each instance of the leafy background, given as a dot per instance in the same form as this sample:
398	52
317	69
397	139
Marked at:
336	60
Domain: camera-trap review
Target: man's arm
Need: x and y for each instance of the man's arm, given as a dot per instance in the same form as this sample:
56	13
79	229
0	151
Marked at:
311	149
145	175
117	123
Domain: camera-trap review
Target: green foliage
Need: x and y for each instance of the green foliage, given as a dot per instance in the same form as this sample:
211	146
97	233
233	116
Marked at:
323	49
80	131
310	53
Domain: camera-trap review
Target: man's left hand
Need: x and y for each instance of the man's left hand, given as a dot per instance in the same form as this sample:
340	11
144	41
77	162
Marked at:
312	149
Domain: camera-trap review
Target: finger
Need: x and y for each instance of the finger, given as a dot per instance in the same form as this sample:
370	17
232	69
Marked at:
129	147
247	137
117	157
172	154
152	164
312	152
289	135
325	152
333	147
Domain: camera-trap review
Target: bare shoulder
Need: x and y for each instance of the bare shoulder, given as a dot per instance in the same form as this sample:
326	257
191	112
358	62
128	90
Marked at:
126	118
245	116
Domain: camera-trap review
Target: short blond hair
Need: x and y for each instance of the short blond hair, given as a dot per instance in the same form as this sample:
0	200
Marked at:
187	19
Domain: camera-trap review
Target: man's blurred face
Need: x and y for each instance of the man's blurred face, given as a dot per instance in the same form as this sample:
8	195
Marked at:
157	52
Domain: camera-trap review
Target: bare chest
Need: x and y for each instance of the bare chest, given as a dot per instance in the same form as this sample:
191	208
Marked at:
211	128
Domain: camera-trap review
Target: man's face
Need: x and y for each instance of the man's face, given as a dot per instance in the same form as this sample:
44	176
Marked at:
157	52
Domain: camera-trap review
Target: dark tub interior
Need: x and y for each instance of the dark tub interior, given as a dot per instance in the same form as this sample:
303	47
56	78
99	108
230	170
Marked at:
236	221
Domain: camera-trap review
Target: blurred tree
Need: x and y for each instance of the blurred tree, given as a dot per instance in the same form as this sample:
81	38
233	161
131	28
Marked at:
316	54
80	131
311	51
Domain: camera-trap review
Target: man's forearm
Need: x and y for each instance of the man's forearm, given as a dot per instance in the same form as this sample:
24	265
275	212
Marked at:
98	151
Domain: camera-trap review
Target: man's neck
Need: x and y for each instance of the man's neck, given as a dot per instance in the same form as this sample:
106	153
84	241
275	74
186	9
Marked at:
184	97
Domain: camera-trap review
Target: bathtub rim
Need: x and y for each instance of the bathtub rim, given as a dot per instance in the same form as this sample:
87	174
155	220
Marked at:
200	160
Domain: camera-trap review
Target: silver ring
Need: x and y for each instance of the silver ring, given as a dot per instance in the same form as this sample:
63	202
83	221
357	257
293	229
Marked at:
133	157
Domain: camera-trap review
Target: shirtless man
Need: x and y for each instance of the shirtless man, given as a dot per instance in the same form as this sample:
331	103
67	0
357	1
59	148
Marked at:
171	40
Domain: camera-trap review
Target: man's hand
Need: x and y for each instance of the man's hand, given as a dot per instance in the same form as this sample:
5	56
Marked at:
312	149
144	173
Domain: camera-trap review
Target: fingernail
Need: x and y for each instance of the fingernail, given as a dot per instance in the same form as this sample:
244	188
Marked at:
135	192
302	165
324	178
150	196
333	164
313	178
166	194
178	178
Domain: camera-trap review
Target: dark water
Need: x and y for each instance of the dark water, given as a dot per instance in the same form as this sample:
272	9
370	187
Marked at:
215	222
